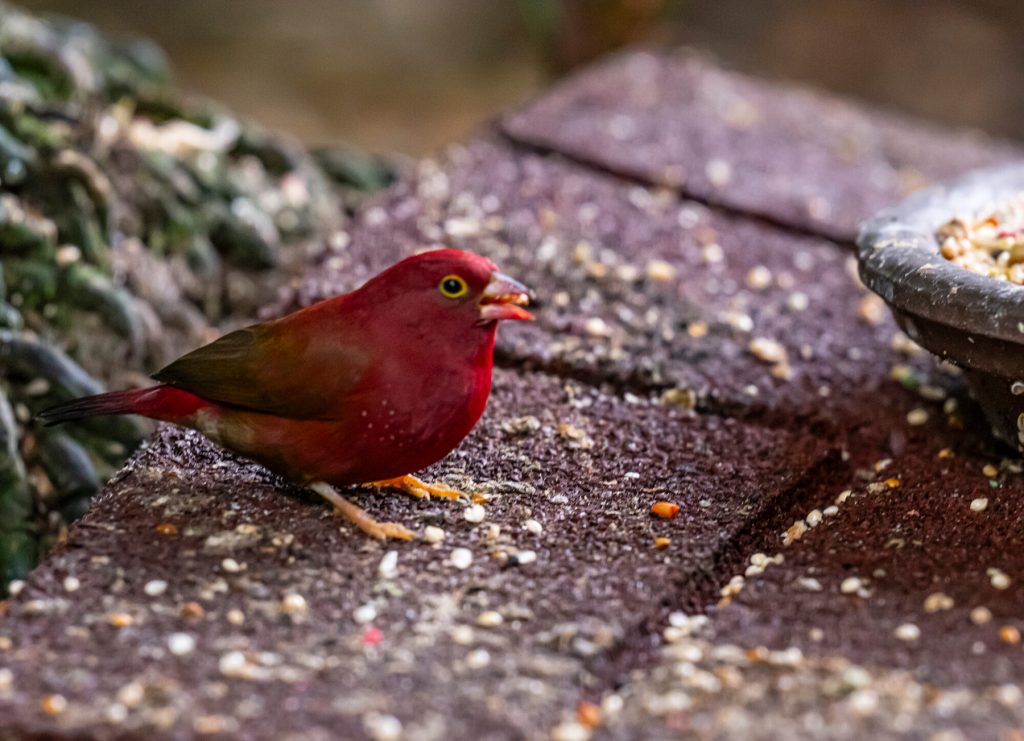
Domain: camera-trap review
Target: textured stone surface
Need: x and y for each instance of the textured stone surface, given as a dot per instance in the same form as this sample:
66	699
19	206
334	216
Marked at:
788	154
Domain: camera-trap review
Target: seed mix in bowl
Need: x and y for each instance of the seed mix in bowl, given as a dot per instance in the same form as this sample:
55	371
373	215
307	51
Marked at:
991	244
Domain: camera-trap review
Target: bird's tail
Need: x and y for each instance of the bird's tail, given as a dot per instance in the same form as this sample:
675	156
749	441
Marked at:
159	402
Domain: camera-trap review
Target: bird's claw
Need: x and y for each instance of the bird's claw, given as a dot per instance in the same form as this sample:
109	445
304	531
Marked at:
419	489
359	517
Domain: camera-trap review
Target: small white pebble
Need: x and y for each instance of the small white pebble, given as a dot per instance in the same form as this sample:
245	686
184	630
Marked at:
230	565
907	632
71	584
181	644
595	326
979	505
999	579
388	568
433	534
490	618
461	558
830	511
533	527
365	613
718	173
474	513
809	583
814	517
155	588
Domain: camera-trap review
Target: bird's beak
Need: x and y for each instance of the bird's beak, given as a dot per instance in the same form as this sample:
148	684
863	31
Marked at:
504	298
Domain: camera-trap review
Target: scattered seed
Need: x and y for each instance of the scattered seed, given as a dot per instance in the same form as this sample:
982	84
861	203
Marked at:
937	602
660	271
662	542
998	578
155	588
759	278
1009	634
461	558
53	704
665	510
595	326
478	659
192	610
570	731
294	604
121	620
365	613
167	528
981	615
382	727
388	567
533	527
71	584
6	679
589	714
768	350
907	632
917	417
235	616
979	505
990	471
230	565
181	644
433	534
718	172
474	513
490	619
522	558
814	518
851	585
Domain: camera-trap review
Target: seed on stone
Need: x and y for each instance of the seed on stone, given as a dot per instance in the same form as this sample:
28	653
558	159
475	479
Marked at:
71	584
461	558
1009	634
759	278
433	534
155	588
6	679
917	417
121	620
990	471
1017	388
490	619
998	579
979	505
235	616
718	173
662	542
382	727
595	326
768	350
230	565
522	558
908	632
365	613
946	453
478	659
167	528
53	704
474	513
798	301
660	271
851	585
830	511
533	527
665	510
809	583
192	610
794	532
938	601
181	644
814	517
981	615
570	731
388	567
294	604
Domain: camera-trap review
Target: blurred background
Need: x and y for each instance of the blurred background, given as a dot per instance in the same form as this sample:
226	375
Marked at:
410	75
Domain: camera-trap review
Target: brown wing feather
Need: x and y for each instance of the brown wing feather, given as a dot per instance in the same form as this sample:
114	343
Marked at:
287	368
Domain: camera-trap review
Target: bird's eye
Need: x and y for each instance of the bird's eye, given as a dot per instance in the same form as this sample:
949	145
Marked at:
452	286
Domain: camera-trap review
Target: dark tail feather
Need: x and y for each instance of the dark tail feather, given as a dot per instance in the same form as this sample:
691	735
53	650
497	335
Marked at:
114	402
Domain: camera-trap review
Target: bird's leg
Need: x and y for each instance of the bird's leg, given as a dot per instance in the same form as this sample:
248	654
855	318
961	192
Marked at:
358	517
415	487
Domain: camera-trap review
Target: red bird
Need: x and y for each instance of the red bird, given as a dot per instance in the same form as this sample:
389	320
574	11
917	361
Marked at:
363	388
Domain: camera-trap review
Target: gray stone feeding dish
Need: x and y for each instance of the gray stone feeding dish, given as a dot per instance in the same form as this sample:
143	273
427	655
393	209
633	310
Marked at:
970	319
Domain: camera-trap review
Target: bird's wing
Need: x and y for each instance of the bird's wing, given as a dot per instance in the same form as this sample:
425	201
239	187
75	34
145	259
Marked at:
289	368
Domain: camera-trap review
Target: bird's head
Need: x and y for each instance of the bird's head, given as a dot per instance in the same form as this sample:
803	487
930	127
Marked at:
451	288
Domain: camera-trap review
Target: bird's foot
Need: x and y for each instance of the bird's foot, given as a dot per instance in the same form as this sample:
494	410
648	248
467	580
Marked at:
419	489
359	517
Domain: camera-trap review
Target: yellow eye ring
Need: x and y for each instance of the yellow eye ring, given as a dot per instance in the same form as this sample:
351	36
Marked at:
452	286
